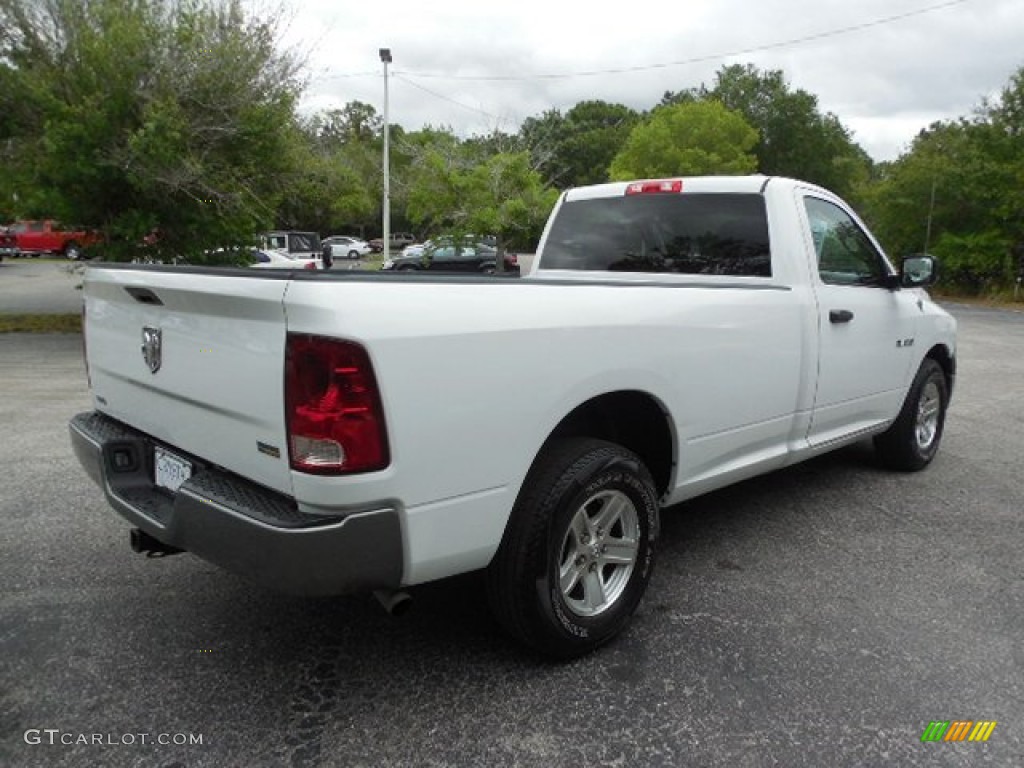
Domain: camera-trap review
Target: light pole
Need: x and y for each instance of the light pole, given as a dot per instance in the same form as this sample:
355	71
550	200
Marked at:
385	57
931	211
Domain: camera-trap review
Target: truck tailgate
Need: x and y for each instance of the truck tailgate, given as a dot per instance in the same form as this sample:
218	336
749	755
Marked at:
194	359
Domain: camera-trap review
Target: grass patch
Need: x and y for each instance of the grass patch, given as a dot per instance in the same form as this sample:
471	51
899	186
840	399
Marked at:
70	323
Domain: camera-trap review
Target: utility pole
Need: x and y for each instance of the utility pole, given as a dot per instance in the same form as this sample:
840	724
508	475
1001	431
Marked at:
928	229
385	57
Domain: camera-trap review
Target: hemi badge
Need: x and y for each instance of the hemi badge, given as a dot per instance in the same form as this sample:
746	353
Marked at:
269	450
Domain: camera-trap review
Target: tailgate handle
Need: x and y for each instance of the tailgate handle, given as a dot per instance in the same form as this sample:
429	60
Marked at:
840	316
143	295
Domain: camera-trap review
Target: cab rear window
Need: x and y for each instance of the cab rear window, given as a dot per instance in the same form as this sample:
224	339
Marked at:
697	234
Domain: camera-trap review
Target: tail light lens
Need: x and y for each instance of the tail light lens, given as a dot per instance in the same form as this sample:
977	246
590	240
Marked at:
660	186
334	412
309	265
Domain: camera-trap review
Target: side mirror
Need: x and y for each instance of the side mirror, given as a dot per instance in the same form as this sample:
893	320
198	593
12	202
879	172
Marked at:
918	271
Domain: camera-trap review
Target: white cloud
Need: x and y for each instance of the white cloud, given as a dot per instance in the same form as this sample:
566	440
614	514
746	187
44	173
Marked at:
885	81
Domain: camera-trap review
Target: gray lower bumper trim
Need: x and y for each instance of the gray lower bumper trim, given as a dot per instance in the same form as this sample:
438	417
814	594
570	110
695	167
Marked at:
238	525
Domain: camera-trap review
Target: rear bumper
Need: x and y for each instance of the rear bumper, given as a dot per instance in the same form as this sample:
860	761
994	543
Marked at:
238	525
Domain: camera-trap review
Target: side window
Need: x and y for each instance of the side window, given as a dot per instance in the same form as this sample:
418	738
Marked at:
301	242
846	256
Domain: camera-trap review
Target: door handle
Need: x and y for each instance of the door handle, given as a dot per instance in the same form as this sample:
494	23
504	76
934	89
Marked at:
840	315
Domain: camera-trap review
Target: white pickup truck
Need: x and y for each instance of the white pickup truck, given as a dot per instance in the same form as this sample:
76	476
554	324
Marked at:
324	433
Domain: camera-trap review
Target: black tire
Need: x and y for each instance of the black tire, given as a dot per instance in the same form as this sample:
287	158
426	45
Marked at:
72	251
581	497
913	439
353	255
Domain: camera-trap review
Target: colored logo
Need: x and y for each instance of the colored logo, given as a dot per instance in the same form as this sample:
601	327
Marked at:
958	730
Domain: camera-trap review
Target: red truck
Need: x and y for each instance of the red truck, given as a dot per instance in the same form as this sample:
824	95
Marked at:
45	237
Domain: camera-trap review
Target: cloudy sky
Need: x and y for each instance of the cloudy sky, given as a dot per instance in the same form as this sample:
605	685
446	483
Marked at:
887	68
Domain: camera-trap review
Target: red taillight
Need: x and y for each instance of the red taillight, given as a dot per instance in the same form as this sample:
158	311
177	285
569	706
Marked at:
309	265
334	412
655	187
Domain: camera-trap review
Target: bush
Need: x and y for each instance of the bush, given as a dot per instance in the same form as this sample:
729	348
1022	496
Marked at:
975	264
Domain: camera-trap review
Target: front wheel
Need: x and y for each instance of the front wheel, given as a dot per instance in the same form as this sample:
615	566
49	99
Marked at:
353	255
578	551
913	439
72	252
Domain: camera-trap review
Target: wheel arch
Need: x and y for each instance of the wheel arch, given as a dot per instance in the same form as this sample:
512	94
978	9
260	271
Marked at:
940	353
631	418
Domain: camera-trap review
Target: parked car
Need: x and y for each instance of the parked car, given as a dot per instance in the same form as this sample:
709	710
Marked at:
273	259
448	256
349	247
45	237
300	244
397	241
416	249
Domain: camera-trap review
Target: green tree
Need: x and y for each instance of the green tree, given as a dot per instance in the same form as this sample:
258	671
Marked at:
687	140
577	148
794	137
453	191
1006	116
595	133
542	136
434	179
142	114
326	193
956	194
506	197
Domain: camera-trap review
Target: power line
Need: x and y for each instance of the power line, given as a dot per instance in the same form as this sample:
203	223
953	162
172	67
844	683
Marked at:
696	60
404	75
445	98
345	75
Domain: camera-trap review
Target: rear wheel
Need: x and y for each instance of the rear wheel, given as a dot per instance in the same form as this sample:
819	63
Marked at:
72	251
578	551
353	255
913	439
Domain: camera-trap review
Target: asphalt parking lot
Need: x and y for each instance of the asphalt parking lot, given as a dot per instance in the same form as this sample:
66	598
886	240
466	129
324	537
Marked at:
819	616
34	286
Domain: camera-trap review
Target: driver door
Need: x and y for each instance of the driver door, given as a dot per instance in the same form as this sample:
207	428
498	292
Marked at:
866	326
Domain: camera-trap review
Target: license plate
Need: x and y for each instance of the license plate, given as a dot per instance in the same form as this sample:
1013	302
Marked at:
171	471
